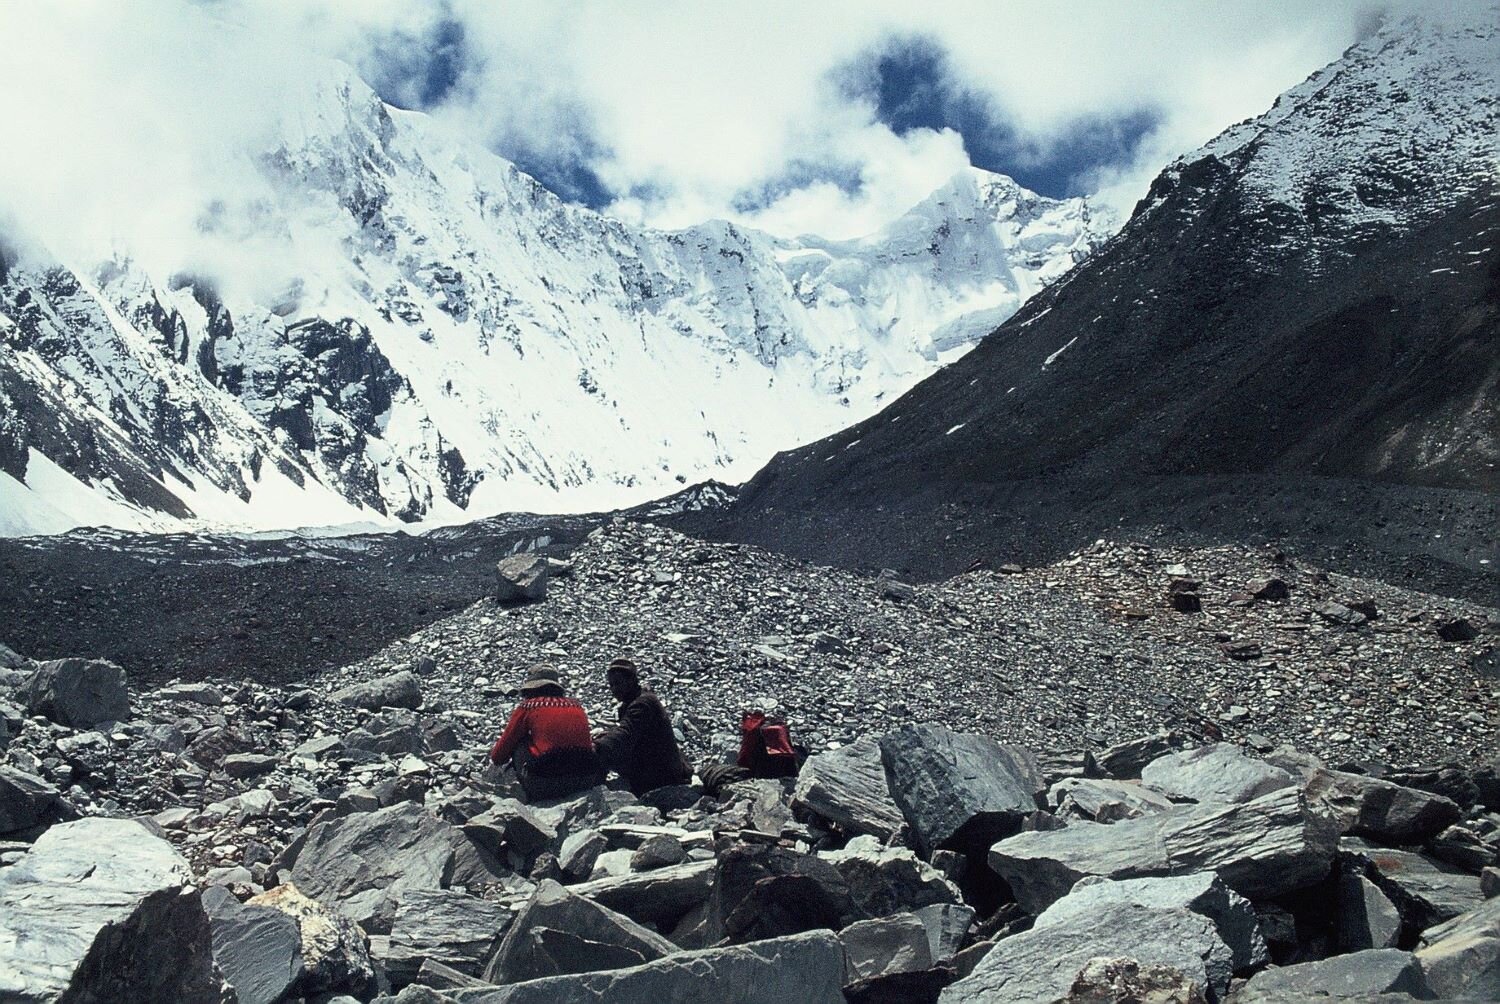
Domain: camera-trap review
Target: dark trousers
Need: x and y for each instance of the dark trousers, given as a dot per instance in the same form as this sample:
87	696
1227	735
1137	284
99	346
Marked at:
555	774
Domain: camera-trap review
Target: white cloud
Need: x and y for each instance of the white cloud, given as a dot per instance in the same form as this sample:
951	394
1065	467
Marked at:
130	115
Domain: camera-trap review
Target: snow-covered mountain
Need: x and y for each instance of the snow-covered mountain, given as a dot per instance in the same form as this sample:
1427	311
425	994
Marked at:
422	331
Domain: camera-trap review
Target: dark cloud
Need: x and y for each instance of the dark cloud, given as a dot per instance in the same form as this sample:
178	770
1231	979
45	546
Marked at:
911	84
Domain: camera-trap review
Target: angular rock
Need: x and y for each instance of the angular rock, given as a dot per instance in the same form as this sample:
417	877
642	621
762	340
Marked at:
660	896
1366	916
585	936
806	968
1461	957
894	944
398	690
885	880
1102	800
257	948
1426	892
1219	773
394	731
767	891
1125	761
101	910
361	864
848	788
78	693
244	765
27	801
657	852
947	926
192	693
1370	807
1263	848
579	851
958	790
1357	976
450	928
335	951
521	578
1203	893
1039	966
511	825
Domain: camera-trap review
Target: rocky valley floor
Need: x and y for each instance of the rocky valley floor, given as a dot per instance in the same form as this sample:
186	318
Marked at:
1305	736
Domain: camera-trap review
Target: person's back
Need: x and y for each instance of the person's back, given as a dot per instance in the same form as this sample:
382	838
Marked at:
643	749
547	740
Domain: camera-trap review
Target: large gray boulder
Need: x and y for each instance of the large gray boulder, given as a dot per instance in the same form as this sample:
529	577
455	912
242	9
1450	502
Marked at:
78	693
362	864
1039	966
1203	893
521	578
445	926
894	944
885	880
27	801
334	950
1263	848
1370	807
1101	800
1219	773
258	949
1426	891
848	788
398	690
959	790
1460	958
947	925
807	968
1125	761
655	897
102	910
1356	976
558	932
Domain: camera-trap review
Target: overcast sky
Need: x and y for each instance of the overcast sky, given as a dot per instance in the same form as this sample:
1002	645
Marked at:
828	117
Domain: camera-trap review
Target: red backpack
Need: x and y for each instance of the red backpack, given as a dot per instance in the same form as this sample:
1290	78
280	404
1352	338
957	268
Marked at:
766	746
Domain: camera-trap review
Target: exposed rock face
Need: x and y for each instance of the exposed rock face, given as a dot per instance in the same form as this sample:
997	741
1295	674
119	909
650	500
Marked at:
27	801
1354	976
884	880
335	951
803	967
1109	981
257	948
1264	847
1461	958
79	693
1370	807
444	926
101	910
1101	800
894	944
848	788
361	864
959	790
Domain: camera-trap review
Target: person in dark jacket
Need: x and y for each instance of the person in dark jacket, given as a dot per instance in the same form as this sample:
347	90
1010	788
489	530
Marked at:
643	748
547	740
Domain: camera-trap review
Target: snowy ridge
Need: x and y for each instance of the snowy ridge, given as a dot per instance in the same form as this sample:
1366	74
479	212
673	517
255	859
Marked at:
424	333
1414	106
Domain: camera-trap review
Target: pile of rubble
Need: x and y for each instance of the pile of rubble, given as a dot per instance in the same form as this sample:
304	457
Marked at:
381	861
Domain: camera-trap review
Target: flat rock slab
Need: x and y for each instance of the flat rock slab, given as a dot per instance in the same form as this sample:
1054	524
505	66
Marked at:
1262	849
1426	891
958	790
1102	800
398	690
1039	966
1220	773
1460	958
102	910
894	944
806	968
257	948
848	788
583	936
1358	976
660	896
1371	807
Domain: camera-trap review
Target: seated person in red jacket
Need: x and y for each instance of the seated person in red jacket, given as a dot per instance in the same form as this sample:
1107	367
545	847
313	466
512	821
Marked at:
547	740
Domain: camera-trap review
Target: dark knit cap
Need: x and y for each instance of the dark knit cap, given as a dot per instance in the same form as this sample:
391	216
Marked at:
624	666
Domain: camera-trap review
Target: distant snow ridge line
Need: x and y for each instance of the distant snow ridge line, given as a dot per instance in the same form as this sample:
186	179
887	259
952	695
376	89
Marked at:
438	335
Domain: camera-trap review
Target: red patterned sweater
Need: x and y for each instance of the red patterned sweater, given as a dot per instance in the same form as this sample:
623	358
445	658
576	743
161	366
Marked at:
544	724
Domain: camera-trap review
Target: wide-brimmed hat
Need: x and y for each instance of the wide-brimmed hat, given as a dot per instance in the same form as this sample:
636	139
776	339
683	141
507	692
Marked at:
541	675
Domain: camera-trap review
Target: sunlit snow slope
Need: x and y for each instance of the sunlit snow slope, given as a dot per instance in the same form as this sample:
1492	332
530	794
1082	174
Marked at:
452	339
